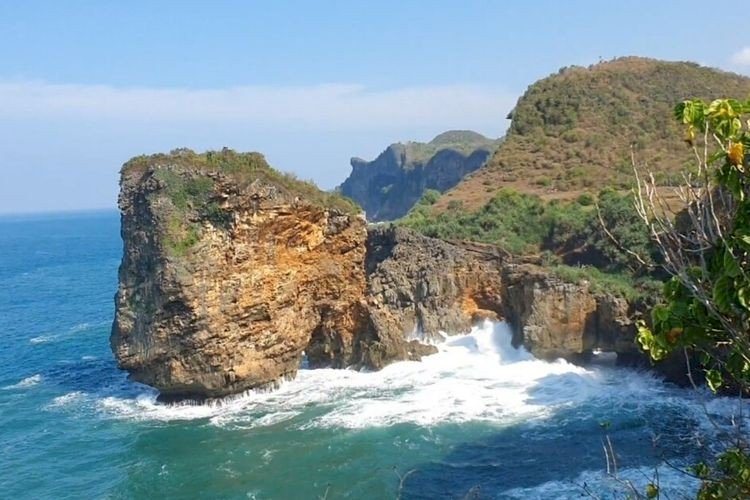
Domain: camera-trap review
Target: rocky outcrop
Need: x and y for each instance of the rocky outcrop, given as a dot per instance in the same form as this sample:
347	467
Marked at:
390	185
222	282
231	271
554	319
420	286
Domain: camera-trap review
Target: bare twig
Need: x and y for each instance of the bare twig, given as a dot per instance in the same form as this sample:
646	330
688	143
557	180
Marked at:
402	480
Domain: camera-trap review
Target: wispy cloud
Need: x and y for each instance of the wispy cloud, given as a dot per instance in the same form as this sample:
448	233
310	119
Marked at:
330	106
741	57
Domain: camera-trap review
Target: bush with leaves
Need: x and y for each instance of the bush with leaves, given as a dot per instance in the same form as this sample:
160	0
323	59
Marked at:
706	249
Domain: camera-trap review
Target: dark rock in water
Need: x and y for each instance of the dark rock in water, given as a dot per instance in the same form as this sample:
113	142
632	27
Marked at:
390	185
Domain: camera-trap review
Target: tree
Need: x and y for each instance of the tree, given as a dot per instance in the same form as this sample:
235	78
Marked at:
705	247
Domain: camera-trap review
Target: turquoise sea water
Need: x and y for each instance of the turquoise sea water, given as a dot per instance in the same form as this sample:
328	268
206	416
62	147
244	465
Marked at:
477	420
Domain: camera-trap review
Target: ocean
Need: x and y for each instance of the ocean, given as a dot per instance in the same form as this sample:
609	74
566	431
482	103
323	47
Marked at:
479	419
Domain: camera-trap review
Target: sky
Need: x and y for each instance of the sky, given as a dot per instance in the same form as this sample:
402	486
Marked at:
85	85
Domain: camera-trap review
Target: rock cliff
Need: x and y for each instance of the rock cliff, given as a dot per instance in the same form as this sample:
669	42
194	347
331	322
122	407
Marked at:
390	185
226	271
555	319
421	286
231	271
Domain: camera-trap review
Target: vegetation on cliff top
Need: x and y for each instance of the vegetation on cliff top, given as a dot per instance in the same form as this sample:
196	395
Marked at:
188	181
568	236
570	146
573	131
242	168
461	141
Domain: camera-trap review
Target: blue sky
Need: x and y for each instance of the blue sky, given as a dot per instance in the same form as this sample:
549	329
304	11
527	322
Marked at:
85	85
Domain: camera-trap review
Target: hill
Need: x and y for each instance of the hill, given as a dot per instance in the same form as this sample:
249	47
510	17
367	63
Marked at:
573	131
390	185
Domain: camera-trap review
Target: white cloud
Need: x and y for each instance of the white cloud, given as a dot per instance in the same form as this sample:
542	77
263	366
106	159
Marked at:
741	57
330	106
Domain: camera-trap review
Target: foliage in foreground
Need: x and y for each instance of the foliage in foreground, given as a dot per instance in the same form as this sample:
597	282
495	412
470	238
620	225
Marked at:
707	252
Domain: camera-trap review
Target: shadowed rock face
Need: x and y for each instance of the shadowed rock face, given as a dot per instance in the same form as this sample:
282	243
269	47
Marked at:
554	319
428	286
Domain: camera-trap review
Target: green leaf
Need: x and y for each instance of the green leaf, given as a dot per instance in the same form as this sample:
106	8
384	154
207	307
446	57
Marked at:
701	470
652	491
743	297
722	293
713	379
717	155
731	266
660	314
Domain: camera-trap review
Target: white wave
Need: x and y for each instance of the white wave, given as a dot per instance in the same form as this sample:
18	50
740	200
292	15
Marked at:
596	484
473	377
145	407
77	328
67	399
27	382
42	339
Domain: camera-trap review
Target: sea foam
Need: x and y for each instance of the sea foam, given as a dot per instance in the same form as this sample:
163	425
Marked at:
478	377
27	382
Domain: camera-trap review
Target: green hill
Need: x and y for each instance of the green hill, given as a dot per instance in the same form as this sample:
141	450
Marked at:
574	131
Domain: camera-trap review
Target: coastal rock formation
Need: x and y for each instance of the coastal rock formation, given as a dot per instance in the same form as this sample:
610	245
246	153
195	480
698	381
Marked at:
231	271
390	185
226	273
554	319
419	287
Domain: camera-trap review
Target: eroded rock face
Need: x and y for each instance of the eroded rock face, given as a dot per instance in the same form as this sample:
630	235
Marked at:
226	281
224	284
214	305
423	286
554	319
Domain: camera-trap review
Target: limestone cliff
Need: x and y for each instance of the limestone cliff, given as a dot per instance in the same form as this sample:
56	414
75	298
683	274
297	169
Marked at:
555	319
227	270
420	286
232	270
390	185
